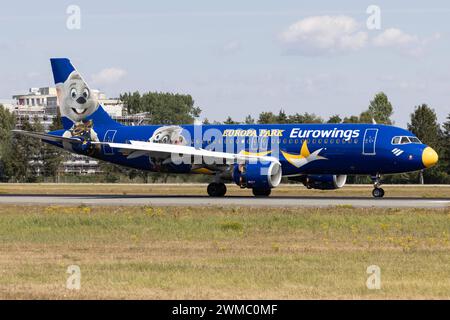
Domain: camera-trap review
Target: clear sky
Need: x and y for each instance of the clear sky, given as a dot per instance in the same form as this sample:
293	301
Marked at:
239	57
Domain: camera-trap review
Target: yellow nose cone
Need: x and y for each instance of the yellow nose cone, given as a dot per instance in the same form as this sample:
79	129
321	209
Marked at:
429	157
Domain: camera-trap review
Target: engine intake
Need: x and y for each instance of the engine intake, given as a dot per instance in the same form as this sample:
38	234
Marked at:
257	175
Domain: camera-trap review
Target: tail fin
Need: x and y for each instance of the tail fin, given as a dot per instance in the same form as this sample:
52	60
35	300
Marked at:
77	103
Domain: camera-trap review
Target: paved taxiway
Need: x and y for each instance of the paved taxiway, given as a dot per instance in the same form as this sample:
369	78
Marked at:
158	200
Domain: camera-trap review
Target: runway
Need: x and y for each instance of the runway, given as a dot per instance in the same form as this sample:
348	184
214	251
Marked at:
274	201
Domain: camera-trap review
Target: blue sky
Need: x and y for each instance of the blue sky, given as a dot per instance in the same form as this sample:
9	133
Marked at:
239	57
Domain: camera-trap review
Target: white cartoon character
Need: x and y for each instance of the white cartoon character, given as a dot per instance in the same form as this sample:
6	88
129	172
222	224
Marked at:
76	100
168	135
77	103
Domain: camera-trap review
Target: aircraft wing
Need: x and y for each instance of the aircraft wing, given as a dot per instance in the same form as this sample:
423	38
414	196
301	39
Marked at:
46	136
140	148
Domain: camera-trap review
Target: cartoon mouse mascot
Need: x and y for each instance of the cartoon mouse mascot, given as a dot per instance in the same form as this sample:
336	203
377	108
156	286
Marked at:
77	103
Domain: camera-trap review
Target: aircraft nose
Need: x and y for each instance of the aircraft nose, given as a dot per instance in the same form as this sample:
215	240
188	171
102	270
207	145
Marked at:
429	157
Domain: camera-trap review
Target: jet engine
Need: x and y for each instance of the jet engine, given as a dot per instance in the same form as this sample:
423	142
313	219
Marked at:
257	175
324	181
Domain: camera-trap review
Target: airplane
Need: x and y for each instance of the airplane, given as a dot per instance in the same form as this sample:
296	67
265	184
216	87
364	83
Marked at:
254	156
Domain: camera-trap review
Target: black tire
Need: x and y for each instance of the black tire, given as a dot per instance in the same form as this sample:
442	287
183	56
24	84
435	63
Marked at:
216	189
378	193
261	192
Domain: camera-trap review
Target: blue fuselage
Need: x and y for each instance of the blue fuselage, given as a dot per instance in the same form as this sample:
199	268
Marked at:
331	148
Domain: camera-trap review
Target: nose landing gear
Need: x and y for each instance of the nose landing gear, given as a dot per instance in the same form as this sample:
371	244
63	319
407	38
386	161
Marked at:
377	192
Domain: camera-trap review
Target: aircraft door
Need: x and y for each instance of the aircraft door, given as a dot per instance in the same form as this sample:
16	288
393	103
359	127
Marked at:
109	137
369	142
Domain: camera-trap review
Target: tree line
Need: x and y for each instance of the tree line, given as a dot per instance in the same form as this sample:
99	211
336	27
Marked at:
24	159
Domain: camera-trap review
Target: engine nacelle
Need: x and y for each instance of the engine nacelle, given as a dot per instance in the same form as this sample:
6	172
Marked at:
257	175
324	181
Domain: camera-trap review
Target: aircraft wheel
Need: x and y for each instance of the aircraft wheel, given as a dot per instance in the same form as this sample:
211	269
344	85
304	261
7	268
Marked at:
378	192
261	192
217	189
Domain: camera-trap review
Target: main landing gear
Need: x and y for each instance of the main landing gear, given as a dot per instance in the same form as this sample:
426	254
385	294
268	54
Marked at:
261	192
217	189
377	192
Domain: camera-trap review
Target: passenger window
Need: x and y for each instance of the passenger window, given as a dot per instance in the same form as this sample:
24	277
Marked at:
263	143
325	141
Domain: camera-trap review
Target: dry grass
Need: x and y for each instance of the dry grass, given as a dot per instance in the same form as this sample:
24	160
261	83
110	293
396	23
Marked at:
200	189
214	252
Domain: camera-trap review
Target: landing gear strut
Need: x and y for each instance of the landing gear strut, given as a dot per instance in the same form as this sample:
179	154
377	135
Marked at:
217	189
377	192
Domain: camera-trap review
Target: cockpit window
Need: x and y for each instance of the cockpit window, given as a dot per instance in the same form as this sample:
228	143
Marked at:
405	140
415	140
396	140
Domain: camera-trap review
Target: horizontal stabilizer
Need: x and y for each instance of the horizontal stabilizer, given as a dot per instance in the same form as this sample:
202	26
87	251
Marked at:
46	136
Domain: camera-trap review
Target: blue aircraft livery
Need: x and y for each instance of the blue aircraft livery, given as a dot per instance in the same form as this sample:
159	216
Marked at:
253	156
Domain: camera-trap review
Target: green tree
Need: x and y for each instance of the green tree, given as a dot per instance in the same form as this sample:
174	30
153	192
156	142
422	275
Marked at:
110	171
351	119
305	118
249	120
230	121
380	109
282	117
366	117
24	156
267	118
163	108
446	144
424	125
7	123
335	119
52	156
132	102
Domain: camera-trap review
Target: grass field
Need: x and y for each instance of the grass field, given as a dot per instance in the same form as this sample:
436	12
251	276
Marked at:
214	252
421	191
